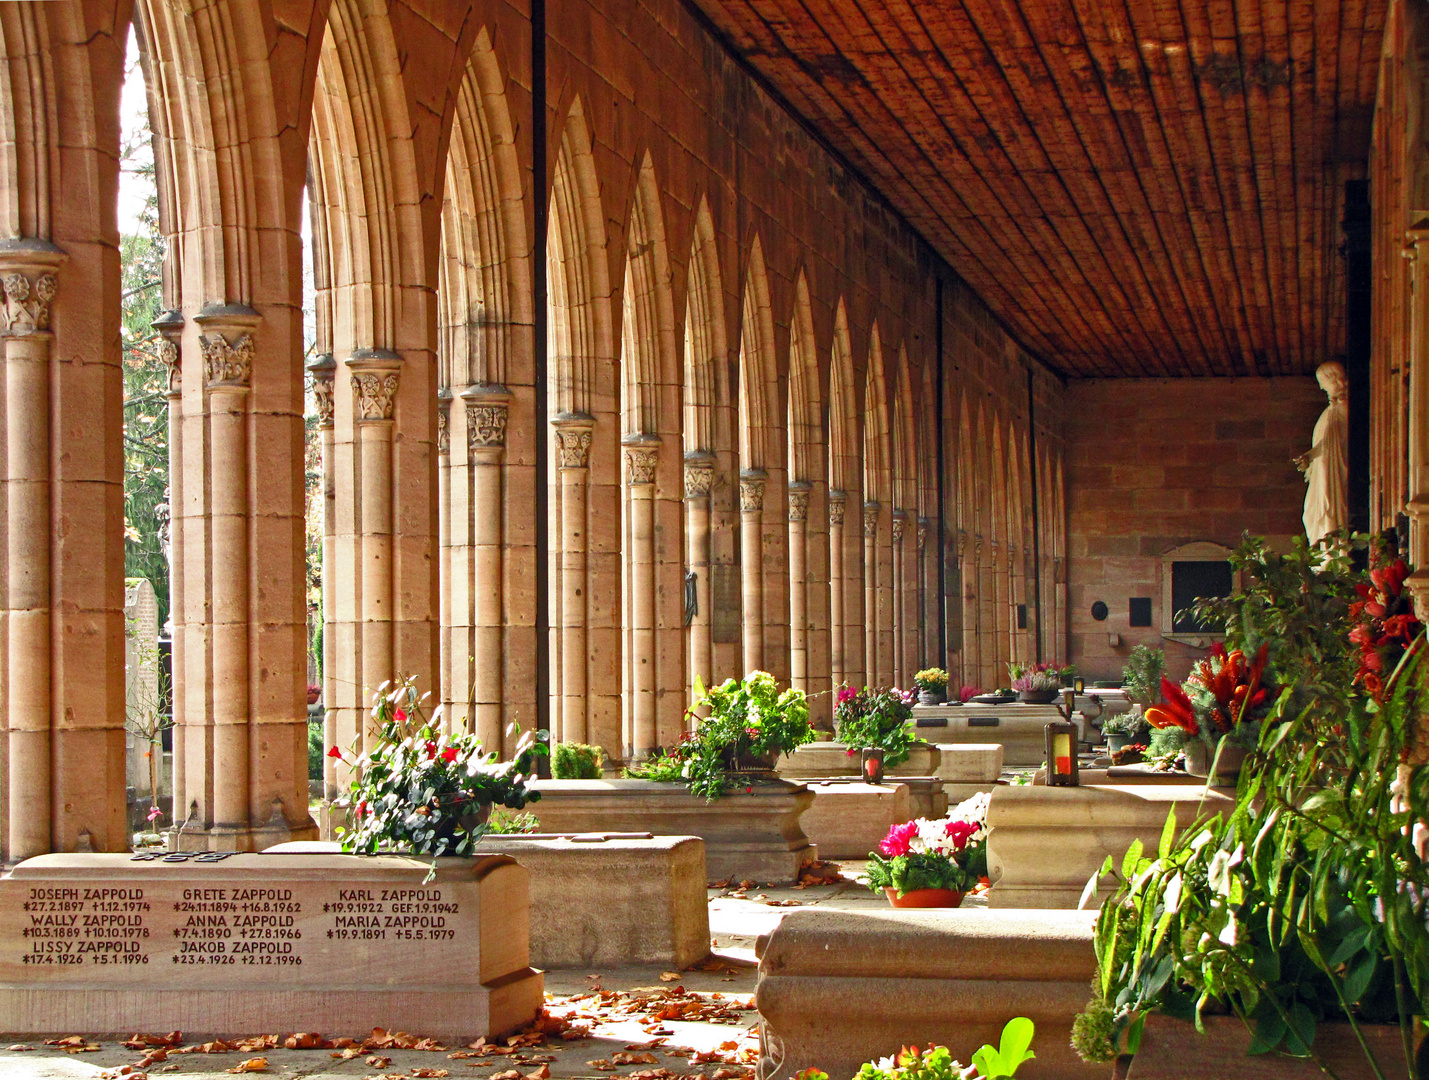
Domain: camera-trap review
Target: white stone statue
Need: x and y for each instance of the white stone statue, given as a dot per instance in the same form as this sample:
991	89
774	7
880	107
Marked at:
1326	463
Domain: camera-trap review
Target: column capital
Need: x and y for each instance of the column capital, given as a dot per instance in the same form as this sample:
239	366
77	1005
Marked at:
573	432
375	374
641	456
170	328
751	490
799	500
900	522
444	409
870	518
487	410
1415	238
227	344
324	373
699	474
838	502
962	542
924	524
27	274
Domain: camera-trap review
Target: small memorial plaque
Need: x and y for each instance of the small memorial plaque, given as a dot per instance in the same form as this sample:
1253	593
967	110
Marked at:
983	721
273	942
931	721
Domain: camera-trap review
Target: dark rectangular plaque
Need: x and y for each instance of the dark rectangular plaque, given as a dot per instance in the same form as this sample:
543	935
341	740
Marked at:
931	721
724	604
983	721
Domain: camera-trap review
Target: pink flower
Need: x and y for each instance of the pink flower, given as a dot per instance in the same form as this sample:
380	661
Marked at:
960	831
155	813
846	693
898	839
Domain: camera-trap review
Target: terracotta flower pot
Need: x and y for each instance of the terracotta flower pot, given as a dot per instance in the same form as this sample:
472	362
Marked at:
923	898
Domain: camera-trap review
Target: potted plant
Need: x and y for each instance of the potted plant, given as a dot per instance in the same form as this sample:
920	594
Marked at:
932	684
1220	708
423	790
867	719
1295	924
1124	727
749	724
1036	684
1141	676
576	761
932	863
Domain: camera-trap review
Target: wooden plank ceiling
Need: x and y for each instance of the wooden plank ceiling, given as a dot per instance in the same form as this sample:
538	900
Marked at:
1136	187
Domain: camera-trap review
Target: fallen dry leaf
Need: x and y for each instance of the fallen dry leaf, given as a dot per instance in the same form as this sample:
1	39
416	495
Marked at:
599	1063
347	1053
423	1073
621	1057
730	1074
18	1047
543	1073
506	1074
670	976
146	1042
378	1062
74	1044
307	1040
251	1065
256	1042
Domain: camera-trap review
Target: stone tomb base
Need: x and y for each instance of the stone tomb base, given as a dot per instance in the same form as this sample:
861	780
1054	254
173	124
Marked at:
749	835
817	760
838	988
1047	842
848	819
251	944
1018	727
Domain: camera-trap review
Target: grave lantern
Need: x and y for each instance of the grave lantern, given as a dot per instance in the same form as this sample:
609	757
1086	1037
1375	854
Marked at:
1061	755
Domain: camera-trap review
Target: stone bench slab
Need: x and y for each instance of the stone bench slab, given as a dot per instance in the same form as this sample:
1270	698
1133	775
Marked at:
261	942
848	819
749	835
838	988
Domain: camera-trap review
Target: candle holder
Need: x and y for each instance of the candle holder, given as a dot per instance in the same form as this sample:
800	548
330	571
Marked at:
872	763
1061	754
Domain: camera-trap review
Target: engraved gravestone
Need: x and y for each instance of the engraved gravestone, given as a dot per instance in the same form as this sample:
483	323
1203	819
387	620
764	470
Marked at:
242	944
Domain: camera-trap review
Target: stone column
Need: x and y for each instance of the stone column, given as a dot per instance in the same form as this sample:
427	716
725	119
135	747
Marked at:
699	478
927	608
446	648
374	376
573	435
870	590
228	349
799	584
751	536
900	588
1417	252
838	500
970	662
487	411
170	327
28	275
324	372
988	673
641	458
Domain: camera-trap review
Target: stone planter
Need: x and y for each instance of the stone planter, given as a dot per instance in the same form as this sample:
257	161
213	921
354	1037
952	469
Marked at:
931	697
1038	697
1199	757
749	835
1116	742
923	898
1175	1050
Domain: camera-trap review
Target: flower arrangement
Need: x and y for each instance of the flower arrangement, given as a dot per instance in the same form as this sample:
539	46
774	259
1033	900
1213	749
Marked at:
933	679
864	719
947	853
1036	678
1386	626
423	790
1225	695
750	722
967	693
999	1062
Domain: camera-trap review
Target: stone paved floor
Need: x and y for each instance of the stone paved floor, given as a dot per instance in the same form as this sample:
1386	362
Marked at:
638	1007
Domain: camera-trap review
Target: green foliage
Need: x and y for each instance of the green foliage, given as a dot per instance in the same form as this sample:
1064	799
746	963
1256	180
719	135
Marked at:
1014	1047
315	750
1130	724
933	679
999	1062
507	823
1299	603
917	870
1141	677
423	790
876	718
576	761
1307	902
749	719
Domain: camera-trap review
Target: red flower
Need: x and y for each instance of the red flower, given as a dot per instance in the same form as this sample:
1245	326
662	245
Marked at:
449	754
960	831
1176	710
431	749
898	838
334	752
401	716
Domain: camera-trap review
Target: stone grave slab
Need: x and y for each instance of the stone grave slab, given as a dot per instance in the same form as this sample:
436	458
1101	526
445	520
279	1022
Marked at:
242	944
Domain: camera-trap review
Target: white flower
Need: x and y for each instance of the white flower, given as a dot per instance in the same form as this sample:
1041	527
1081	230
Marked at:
971	809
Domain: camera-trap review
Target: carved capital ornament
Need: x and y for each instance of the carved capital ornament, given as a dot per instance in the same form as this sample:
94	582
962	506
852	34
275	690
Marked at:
640	464
870	519
751	491
799	500
27	300
375	379
227	365
486	426
573	435
838	502
699	478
